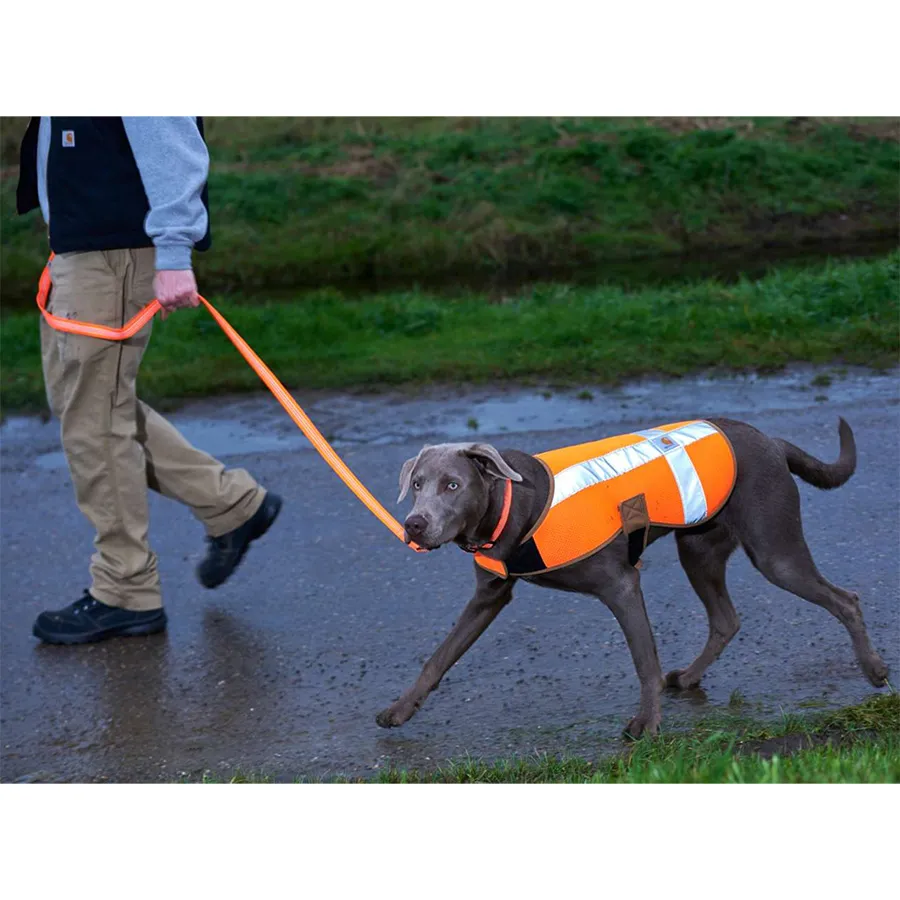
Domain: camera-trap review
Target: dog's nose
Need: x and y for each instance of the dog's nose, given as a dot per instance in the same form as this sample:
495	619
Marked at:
416	525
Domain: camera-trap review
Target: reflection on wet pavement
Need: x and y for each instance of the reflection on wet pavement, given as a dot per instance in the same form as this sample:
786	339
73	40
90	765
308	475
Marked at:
256	424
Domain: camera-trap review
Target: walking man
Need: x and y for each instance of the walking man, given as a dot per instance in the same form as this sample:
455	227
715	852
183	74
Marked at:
125	200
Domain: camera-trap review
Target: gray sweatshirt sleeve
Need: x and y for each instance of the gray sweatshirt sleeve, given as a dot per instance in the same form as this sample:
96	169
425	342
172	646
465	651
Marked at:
174	165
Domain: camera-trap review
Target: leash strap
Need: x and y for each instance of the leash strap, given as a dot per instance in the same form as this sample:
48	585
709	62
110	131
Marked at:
291	407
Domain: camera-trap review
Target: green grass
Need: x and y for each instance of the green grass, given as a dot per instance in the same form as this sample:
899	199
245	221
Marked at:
313	202
858	744
846	312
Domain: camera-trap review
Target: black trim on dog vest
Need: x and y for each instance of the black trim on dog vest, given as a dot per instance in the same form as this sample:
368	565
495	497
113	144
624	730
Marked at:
635	525
525	558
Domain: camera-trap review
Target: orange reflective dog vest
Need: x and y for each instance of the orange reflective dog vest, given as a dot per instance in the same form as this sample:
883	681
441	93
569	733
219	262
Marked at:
675	476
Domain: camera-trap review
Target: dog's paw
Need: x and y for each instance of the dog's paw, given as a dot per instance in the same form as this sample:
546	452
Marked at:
642	726
679	680
394	716
385	719
877	671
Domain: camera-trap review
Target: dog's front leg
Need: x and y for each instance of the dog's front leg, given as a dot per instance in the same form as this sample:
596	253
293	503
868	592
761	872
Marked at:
491	595
623	596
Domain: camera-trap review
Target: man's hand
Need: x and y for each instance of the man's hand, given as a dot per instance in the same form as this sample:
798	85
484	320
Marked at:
175	289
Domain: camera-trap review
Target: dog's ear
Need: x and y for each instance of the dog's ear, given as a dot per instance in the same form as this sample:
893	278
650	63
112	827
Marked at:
491	461
406	472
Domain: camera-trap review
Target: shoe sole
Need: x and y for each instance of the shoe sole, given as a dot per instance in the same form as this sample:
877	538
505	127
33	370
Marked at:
277	502
152	627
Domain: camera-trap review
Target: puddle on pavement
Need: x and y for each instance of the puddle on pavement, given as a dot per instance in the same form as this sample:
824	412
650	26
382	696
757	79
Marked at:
256	424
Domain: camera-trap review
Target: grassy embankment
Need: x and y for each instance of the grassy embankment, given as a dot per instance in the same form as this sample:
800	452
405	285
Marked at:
842	312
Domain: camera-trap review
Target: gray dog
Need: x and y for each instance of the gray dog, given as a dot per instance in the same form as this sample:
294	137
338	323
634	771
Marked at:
459	496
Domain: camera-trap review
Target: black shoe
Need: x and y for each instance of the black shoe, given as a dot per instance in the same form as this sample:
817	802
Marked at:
225	553
88	620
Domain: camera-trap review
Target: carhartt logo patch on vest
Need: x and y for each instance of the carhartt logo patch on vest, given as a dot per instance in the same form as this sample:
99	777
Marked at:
68	138
665	444
673	476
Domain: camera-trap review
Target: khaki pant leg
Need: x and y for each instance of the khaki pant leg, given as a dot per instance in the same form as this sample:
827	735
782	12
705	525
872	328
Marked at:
90	386
222	499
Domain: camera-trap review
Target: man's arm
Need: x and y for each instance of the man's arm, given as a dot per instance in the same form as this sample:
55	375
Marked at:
174	165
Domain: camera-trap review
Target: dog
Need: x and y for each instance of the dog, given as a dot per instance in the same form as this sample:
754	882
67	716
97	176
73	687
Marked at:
463	491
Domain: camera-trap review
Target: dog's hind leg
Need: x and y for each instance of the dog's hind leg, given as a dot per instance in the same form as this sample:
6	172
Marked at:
623	596
774	541
704	556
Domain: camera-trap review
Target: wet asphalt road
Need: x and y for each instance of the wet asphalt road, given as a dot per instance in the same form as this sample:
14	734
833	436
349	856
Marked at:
284	668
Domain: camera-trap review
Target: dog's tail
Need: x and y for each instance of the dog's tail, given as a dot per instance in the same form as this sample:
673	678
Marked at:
824	475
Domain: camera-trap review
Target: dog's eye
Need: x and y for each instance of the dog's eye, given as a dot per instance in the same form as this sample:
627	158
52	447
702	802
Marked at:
452	486
417	485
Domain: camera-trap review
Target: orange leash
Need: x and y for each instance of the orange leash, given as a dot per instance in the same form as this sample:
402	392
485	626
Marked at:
291	407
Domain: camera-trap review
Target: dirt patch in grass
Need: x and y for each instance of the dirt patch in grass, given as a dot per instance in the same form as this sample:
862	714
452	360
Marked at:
885	128
685	124
357	161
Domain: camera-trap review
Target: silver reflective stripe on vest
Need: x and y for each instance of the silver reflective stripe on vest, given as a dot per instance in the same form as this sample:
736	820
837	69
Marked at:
583	475
693	498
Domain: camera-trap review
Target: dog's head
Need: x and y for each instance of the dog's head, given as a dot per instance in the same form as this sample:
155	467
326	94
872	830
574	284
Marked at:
451	487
